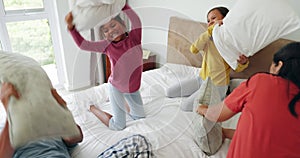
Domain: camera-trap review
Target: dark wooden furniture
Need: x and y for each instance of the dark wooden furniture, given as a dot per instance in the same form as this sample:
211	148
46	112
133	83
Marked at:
150	63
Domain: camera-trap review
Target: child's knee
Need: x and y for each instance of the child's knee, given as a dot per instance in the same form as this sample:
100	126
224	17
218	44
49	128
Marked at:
137	117
116	126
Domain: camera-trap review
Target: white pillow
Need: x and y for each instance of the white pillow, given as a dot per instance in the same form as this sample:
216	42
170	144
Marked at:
251	25
36	114
86	3
89	14
208	134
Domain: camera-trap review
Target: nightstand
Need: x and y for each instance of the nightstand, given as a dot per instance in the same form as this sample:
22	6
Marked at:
150	63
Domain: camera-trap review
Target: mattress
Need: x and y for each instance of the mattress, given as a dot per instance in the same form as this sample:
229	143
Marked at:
166	126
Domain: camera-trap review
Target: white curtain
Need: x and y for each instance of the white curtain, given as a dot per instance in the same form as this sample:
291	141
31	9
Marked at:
97	73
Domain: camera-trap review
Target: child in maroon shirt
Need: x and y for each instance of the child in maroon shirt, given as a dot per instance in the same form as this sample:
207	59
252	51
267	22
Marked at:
125	55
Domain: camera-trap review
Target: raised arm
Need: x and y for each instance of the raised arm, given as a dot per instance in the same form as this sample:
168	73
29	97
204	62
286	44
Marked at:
201	42
98	46
136	25
7	90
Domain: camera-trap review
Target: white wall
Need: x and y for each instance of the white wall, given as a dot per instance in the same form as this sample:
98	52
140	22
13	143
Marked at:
76	63
155	16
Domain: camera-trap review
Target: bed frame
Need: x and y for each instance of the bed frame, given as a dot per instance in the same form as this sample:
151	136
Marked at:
183	32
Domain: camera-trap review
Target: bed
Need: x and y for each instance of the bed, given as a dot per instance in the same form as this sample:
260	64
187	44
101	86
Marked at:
169	129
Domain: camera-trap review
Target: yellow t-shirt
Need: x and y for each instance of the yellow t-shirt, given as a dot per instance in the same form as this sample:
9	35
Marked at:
213	65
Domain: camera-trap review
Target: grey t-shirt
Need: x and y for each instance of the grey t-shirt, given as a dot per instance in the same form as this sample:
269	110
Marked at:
50	148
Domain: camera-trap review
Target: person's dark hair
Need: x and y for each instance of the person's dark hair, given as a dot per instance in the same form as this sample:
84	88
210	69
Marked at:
222	10
119	19
290	70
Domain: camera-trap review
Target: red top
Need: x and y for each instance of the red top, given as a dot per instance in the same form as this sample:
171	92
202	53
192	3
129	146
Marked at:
126	56
266	128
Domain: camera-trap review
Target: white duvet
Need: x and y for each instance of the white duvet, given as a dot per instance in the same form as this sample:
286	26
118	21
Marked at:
169	129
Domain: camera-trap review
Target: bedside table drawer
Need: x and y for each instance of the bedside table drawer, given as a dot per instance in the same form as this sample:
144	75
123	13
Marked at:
150	63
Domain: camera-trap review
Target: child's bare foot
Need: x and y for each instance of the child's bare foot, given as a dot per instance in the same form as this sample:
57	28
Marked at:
88	105
91	106
103	116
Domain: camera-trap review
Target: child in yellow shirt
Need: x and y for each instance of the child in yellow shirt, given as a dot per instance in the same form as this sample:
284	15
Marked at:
213	65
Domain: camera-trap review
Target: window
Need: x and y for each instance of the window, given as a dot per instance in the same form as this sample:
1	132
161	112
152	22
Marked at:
26	28
32	38
14	5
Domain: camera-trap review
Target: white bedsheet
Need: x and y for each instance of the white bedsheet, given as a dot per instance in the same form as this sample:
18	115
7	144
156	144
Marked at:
168	128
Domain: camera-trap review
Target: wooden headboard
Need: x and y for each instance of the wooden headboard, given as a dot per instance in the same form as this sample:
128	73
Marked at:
183	32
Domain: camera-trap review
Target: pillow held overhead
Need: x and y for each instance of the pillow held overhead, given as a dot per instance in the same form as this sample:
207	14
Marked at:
88	14
251	25
36	114
86	3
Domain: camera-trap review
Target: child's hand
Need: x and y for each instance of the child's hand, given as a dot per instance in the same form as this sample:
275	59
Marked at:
243	59
220	22
211	27
69	21
202	109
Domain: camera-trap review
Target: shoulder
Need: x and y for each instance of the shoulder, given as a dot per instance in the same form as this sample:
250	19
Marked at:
266	79
263	76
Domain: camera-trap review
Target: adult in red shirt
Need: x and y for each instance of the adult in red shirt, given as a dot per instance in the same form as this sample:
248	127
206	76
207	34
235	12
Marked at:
269	125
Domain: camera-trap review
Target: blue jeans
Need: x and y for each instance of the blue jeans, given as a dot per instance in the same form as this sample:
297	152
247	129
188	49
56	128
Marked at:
118	101
47	147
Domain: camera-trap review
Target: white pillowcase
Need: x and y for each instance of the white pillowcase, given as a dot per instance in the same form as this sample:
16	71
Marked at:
86	3
88	14
251	25
36	114
208	134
